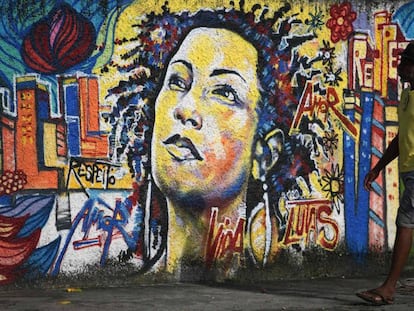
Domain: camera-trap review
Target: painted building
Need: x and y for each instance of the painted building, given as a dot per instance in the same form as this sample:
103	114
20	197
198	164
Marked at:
215	137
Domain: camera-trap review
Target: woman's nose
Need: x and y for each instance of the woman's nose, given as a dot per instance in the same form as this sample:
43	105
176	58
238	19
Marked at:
188	116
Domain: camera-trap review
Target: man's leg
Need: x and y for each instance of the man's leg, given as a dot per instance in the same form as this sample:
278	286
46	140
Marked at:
402	246
385	293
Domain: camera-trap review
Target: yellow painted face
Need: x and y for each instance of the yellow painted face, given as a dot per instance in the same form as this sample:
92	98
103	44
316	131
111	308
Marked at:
206	118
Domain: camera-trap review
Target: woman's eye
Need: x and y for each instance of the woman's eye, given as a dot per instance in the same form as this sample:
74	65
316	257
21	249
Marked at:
177	83
228	93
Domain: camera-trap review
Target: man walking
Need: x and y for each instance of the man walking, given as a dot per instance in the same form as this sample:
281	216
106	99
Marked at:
401	146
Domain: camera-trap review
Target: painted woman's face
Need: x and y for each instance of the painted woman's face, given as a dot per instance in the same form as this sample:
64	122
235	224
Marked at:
206	119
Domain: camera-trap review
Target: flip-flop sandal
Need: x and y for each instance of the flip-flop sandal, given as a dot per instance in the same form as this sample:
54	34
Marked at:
374	297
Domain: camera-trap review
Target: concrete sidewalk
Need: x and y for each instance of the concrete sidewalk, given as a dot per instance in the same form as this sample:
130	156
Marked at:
317	294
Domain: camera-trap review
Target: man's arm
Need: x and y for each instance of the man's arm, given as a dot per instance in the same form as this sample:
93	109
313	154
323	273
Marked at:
390	154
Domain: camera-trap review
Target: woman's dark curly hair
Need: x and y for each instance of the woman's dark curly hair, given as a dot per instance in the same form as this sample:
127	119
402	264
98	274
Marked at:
160	35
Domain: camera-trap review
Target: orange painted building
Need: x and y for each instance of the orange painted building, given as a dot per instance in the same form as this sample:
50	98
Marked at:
8	125
93	145
32	96
79	102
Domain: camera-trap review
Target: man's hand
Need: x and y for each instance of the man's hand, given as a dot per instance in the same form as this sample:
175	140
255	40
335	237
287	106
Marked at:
369	178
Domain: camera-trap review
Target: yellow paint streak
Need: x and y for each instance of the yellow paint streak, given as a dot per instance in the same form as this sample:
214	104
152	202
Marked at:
258	235
50	146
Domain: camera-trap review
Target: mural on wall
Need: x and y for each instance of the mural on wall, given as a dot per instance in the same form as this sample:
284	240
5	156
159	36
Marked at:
219	136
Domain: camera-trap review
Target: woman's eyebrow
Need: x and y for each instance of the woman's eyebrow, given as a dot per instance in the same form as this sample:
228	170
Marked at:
185	63
217	72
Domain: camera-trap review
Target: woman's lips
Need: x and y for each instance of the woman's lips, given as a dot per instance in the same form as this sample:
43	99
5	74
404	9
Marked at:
182	148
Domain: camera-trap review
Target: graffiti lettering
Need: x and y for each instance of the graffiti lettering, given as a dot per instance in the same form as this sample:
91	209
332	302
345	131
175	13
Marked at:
223	241
106	227
313	104
96	173
310	220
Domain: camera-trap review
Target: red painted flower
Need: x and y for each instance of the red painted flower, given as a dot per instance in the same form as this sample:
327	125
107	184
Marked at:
61	40
340	22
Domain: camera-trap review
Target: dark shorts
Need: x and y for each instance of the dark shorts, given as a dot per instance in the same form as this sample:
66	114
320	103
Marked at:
405	215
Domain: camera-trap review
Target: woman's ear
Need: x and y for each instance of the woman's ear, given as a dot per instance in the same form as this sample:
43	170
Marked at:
266	153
